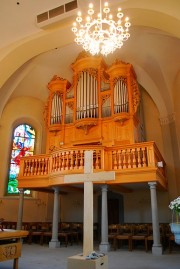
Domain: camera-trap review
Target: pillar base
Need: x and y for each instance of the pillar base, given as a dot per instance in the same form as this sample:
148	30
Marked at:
104	247
80	262
157	250
54	244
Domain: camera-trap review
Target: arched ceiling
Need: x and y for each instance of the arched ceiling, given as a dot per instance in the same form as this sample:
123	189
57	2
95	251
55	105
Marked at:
30	56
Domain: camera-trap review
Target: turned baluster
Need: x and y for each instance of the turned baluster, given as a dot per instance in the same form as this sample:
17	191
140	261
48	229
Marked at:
115	159
118	159
81	159
25	168
30	166
46	166
76	159
144	160
71	160
60	161
134	158
123	159
35	166
129	159
96	153
42	166
67	161
57	162
38	167
139	157
63	161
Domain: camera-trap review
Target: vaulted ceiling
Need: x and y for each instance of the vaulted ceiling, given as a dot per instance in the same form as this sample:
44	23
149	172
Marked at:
30	56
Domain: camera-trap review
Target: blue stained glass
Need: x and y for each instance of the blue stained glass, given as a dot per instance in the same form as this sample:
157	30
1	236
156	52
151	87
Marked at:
23	145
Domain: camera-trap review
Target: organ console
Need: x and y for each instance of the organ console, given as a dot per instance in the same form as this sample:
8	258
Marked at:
99	107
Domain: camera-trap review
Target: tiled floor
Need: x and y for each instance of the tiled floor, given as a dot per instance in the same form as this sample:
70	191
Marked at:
41	257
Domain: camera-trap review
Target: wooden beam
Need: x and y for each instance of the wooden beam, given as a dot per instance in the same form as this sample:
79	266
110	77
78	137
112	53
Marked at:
119	188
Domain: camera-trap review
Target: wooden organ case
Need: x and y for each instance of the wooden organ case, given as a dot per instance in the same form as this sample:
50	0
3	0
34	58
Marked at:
99	107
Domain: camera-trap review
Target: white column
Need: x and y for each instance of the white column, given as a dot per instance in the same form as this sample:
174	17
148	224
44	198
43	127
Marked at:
157	247
104	246
54	243
20	209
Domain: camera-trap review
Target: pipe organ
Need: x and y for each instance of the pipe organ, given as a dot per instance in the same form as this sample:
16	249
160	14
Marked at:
98	107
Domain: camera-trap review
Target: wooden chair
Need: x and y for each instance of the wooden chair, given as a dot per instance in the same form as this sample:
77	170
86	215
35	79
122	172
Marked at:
65	233
140	233
113	231
124	235
35	233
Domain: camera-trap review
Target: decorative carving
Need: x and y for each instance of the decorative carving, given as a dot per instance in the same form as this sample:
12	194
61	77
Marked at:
53	148
135	95
104	97
92	71
123	79
86	124
9	251
70	105
122	118
82	54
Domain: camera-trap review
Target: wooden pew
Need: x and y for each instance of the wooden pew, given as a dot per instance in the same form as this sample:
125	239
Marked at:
10	245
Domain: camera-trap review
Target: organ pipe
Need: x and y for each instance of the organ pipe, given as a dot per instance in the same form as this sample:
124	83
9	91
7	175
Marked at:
56	109
87	96
120	96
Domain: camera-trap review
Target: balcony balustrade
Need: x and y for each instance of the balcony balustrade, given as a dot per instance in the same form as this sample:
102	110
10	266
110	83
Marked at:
132	159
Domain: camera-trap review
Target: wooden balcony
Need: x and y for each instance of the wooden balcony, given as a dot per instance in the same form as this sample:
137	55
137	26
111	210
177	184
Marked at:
132	163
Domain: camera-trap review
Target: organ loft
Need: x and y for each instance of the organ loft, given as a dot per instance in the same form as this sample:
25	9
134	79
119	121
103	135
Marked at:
99	107
99	112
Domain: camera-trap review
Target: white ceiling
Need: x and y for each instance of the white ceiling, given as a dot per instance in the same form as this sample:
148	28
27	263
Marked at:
30	56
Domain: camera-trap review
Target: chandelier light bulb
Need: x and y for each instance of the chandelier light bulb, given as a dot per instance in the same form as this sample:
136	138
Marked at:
101	34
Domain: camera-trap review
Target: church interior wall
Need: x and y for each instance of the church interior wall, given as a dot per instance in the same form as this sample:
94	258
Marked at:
137	207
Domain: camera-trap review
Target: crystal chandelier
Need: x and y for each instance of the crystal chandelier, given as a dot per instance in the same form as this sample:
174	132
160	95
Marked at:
101	34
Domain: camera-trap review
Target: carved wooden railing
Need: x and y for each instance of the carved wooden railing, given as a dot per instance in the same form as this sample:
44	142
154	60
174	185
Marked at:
117	158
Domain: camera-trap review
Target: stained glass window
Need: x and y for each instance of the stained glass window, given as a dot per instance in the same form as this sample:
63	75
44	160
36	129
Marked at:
23	145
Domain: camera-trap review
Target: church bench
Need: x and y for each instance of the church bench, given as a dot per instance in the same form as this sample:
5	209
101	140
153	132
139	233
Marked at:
10	245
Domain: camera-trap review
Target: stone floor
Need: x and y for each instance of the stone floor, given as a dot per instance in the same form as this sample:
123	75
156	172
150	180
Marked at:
41	257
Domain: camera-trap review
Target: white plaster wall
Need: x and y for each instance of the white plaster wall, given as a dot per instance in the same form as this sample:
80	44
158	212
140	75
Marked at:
151	121
137	207
21	110
72	207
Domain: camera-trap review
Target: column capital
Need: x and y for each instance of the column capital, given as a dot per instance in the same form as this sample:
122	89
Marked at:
152	185
104	187
21	191
56	189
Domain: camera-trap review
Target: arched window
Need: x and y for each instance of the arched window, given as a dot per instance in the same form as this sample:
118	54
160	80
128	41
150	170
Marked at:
23	143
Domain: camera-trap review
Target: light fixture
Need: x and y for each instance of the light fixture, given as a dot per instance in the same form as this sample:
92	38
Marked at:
101	34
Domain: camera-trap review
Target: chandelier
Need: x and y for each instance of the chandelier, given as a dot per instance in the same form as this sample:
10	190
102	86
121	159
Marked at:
101	34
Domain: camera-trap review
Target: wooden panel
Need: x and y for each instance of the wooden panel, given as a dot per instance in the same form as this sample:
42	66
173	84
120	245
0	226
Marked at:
10	251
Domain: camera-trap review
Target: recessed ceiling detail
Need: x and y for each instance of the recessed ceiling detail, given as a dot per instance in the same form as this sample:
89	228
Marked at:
56	14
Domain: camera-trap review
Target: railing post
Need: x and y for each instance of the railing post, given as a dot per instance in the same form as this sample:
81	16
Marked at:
150	156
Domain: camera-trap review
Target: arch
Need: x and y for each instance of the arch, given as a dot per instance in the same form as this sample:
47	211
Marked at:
148	84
